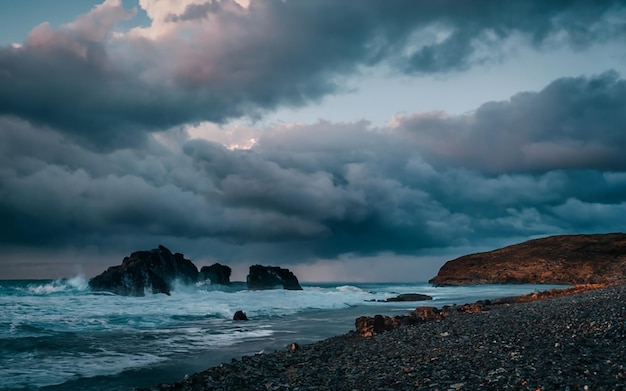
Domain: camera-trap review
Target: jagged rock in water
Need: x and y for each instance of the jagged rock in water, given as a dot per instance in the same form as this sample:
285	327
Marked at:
240	315
271	277
216	273
562	259
153	270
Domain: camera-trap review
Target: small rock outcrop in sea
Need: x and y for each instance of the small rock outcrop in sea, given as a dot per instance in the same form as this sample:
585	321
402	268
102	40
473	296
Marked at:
271	277
153	270
240	315
410	297
216	273
563	259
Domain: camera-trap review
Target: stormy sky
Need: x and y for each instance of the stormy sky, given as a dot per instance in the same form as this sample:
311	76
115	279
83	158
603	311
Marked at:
346	140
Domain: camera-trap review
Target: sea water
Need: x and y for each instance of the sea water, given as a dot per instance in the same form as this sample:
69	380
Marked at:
59	335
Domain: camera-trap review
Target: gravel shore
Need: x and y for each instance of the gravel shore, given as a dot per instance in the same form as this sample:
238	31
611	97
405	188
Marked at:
574	342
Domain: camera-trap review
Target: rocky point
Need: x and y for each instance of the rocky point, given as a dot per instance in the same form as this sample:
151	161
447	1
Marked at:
563	259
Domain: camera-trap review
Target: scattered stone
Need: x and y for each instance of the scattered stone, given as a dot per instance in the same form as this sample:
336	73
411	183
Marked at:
240	315
561	343
370	326
293	347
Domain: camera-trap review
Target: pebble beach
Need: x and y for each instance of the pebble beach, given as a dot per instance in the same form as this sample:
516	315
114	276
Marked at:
573	342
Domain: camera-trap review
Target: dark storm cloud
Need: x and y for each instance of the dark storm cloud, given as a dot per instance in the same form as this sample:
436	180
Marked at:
222	61
67	195
353	201
573	123
323	190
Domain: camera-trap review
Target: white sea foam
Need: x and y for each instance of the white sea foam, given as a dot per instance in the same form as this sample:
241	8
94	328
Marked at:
349	288
77	283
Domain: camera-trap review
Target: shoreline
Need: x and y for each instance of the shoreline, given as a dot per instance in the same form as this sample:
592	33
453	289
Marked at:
554	340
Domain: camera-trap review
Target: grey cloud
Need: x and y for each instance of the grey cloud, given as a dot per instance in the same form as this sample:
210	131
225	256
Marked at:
591	216
326	190
573	123
108	94
360	205
248	198
202	11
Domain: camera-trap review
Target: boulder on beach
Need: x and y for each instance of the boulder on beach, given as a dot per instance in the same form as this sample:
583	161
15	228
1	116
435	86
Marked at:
271	277
153	270
562	259
429	313
217	273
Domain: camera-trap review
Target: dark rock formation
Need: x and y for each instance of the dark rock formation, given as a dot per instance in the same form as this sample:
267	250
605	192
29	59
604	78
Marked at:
216	273
271	277
429	313
240	315
369	326
564	259
410	297
153	270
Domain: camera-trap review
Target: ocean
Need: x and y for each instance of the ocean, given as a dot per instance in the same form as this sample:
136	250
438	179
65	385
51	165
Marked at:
58	335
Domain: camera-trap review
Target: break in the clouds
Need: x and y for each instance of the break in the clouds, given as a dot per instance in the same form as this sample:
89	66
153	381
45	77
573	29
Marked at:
116	140
218	60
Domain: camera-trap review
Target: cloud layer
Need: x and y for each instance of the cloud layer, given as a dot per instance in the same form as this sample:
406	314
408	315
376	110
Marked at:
95	124
215	61
323	190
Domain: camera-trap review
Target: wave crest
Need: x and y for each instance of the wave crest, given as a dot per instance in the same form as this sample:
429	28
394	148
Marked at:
350	288
74	284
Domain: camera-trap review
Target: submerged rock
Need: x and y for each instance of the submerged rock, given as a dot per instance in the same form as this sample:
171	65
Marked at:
410	297
271	277
153	270
216	273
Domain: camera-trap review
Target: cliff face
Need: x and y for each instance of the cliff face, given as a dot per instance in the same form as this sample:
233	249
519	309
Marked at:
563	259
